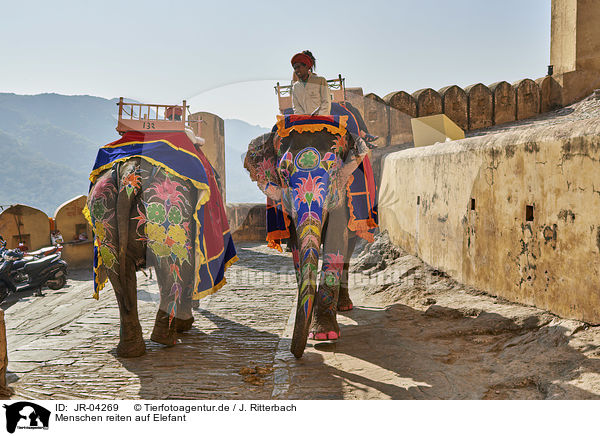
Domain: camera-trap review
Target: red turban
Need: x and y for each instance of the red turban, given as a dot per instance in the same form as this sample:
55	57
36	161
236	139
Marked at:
303	58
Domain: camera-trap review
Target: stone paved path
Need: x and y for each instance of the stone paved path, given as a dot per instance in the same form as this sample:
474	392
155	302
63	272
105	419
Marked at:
62	346
414	334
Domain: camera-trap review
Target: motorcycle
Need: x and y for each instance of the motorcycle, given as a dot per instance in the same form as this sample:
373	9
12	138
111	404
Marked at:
19	273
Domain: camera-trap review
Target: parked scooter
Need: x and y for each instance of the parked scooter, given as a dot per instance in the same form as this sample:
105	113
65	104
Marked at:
45	251
20	274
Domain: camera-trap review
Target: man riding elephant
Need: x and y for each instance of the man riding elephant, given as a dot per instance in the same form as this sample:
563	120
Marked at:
310	93
320	180
310	96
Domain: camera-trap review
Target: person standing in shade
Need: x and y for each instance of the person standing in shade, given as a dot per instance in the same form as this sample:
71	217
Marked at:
310	93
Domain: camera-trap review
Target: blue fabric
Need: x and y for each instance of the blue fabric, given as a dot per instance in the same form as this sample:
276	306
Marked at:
160	151
352	123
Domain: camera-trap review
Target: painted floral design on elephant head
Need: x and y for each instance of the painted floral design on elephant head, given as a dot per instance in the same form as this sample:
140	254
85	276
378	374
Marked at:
340	144
266	170
308	159
286	167
310	189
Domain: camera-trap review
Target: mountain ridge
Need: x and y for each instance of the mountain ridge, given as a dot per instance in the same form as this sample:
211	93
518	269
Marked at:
49	143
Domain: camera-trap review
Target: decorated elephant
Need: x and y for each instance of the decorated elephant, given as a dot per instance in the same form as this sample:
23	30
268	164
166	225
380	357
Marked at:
321	191
154	201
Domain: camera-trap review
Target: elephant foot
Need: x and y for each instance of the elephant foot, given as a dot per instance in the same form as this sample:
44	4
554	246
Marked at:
344	302
131	348
183	325
162	332
131	341
324	327
329	336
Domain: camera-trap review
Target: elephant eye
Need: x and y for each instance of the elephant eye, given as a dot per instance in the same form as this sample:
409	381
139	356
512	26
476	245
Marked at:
283	167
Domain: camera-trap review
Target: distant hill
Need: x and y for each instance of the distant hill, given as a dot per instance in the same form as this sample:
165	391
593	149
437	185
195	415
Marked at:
240	189
48	144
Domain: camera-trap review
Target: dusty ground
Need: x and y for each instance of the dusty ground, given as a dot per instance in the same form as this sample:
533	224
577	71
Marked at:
414	334
420	335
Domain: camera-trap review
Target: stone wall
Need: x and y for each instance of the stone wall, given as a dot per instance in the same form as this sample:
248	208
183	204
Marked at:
71	223
474	107
32	226
211	127
20	223
512	214
575	58
247	221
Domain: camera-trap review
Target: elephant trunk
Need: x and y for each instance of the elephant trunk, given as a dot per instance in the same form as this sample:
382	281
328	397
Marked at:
306	259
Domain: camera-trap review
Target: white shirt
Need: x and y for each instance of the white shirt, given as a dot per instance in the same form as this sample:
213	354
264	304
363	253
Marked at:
311	97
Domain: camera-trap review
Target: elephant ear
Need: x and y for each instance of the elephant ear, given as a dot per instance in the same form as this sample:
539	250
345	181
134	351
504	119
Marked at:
356	153
261	163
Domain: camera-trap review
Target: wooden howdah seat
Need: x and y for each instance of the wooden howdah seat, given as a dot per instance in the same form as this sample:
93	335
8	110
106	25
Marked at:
337	90
143	117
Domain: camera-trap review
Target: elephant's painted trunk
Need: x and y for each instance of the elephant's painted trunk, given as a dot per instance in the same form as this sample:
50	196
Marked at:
306	261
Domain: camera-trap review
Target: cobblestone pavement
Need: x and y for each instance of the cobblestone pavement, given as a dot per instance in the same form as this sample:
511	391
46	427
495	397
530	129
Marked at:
414	334
62	346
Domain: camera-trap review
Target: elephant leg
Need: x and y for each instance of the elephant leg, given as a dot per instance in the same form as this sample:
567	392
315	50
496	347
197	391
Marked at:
165	330
344	302
131	342
103	204
324	324
184	319
168	321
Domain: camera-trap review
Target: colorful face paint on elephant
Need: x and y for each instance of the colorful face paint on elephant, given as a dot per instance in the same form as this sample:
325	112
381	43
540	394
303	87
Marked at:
310	187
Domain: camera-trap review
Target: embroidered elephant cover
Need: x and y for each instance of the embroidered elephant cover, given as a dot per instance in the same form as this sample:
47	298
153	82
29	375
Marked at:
174	152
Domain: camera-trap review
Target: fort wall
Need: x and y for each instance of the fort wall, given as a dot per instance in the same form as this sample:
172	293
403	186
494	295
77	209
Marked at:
72	225
512	214
211	127
20	223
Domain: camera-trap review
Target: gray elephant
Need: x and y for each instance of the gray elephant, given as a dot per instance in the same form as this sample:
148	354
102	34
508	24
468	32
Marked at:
149	200
309	169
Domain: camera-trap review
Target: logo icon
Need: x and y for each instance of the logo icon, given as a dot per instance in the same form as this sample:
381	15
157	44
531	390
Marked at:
26	415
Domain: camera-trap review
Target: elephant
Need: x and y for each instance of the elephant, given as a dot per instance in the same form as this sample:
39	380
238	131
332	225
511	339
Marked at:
143	213
307	170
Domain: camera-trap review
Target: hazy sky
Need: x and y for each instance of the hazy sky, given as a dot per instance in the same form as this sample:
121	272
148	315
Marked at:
225	57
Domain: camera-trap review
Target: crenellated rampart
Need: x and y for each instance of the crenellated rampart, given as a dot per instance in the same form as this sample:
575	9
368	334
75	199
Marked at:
475	107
